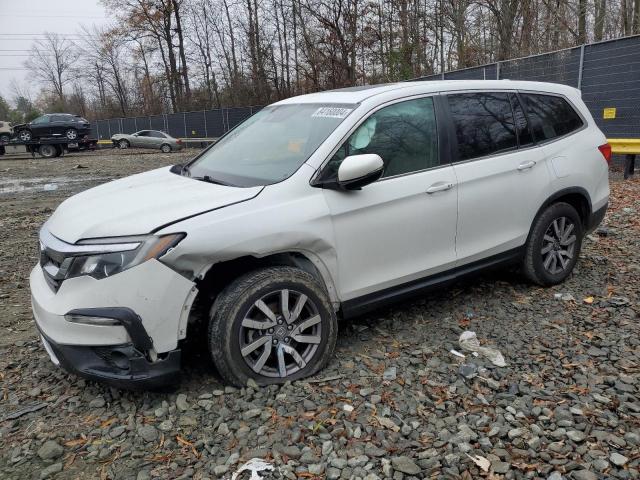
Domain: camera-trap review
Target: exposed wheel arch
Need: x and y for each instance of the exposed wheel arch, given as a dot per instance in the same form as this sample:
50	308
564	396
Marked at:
222	273
219	275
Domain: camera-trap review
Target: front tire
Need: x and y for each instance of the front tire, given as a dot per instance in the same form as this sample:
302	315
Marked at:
5	138
71	134
25	135
554	245
272	325
122	144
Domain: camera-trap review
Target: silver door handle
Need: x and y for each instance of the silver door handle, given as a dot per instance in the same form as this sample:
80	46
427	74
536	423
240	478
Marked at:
526	165
439	187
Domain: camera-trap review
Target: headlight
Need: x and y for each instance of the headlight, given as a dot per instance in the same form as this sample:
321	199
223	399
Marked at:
114	259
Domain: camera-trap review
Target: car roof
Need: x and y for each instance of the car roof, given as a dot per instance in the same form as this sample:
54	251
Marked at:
354	95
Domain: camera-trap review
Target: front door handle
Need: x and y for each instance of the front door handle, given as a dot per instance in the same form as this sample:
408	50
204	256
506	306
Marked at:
526	165
439	187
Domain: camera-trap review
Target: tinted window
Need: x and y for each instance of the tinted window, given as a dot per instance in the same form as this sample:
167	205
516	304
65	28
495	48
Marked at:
156	134
144	133
550	116
483	123
522	127
42	119
403	134
60	118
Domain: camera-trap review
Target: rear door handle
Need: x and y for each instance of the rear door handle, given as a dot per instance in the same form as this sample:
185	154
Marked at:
526	165
439	187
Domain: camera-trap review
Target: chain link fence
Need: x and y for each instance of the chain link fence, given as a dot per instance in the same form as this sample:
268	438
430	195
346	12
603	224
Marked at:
608	73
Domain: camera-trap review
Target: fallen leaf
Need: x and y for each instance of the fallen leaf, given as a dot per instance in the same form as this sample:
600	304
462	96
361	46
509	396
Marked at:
588	300
481	462
387	423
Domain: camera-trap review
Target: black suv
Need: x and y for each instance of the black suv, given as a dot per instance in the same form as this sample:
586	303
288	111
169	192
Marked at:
72	127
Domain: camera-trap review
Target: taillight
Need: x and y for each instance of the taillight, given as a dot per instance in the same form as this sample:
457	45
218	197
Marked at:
605	150
179	142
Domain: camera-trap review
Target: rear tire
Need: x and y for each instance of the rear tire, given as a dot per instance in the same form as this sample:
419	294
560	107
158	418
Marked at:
247	343
553	245
5	138
166	148
25	135
48	151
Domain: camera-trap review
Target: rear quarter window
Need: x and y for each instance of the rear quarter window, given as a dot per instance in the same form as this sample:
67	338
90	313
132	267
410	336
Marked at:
550	116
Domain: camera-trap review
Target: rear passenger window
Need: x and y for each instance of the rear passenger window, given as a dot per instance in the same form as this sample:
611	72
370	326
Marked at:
550	116
483	123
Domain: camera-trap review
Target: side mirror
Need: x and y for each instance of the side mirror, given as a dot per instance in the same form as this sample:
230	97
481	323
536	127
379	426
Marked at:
177	168
356	171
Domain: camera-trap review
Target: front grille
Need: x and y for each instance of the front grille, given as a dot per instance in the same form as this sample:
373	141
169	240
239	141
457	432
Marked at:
54	265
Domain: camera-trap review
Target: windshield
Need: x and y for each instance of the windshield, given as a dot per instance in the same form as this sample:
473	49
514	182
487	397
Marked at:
269	146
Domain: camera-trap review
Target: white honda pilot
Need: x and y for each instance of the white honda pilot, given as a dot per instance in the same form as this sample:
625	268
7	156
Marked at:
318	207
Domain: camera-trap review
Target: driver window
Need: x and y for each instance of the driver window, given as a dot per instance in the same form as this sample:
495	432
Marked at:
403	134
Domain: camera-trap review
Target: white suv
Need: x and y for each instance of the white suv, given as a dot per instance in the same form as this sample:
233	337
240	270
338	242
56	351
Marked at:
317	207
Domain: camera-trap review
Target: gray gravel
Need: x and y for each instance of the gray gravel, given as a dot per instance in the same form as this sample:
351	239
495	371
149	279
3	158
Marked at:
397	404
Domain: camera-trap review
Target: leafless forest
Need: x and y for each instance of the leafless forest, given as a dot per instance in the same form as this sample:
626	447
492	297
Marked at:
178	55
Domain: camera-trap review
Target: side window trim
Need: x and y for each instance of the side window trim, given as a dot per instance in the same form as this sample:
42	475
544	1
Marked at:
439	129
520	101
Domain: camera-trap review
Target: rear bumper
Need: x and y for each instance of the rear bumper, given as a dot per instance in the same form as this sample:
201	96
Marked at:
596	218
121	366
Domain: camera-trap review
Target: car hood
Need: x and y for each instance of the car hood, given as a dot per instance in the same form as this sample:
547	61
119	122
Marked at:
140	204
20	125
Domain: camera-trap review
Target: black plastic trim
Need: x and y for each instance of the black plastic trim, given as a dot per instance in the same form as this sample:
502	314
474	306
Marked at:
130	369
596	218
371	301
129	319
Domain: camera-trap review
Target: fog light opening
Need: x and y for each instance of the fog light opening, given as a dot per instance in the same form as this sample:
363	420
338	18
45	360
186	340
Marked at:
88	320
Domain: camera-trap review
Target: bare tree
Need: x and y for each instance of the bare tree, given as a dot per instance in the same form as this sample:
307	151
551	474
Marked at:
51	62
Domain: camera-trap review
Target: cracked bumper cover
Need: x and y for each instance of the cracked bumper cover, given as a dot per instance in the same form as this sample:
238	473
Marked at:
151	303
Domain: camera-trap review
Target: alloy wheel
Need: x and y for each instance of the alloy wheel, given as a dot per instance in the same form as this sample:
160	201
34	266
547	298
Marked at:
280	333
72	134
558	245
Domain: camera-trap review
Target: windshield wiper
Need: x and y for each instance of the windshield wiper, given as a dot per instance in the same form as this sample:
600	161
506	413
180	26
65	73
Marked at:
209	179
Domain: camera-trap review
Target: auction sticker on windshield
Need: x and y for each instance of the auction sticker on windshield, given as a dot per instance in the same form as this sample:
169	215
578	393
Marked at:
331	112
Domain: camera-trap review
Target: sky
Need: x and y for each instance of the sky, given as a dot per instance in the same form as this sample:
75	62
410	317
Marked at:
22	22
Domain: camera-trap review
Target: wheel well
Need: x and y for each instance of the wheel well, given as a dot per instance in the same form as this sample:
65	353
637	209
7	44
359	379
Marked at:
222	274
579	202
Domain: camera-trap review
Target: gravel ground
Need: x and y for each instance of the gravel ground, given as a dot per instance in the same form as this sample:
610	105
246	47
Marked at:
394	402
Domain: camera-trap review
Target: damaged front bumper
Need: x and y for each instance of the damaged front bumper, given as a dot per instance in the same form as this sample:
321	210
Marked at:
121	366
147	307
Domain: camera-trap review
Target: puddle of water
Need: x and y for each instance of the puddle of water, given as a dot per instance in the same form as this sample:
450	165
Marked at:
26	185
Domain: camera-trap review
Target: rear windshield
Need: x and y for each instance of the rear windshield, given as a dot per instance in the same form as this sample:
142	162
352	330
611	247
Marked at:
271	145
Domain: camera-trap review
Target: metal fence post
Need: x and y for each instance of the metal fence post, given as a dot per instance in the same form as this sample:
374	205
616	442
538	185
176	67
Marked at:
581	66
109	125
184	123
165	122
204	115
497	70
